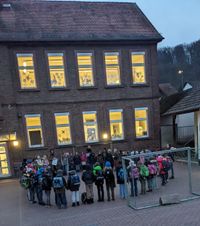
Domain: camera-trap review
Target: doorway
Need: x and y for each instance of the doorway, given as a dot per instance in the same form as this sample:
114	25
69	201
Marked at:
4	163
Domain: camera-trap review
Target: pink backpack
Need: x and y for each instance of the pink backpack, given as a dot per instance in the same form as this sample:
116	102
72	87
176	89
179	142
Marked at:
152	169
135	173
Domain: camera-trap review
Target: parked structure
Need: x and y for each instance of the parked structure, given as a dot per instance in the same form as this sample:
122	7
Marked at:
73	74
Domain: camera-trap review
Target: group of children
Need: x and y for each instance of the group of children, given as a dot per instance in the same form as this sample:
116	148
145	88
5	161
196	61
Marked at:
40	175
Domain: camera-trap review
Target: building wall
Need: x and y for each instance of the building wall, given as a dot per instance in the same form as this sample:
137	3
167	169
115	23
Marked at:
16	103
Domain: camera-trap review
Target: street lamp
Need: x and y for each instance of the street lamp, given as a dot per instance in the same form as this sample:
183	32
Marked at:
180	72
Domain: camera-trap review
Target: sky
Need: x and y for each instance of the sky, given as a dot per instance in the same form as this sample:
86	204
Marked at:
178	21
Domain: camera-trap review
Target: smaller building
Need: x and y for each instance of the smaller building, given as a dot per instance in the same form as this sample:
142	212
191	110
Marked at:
186	106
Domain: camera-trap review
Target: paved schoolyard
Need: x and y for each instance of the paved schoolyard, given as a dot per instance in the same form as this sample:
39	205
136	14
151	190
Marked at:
15	210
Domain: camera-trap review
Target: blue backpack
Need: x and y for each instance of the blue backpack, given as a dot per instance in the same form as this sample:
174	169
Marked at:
75	180
58	182
121	174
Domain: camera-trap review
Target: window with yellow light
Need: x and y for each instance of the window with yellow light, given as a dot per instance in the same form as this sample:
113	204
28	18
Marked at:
141	122
63	128
116	124
85	69
34	130
26	70
112	68
90	126
56	70
138	67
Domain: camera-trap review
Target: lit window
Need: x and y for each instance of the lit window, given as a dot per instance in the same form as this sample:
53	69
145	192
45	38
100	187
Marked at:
90	126
26	71
56	70
63	128
141	122
85	69
116	124
112	68
138	67
34	130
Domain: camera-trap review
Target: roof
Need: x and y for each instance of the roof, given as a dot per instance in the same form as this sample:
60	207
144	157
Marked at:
189	102
167	89
37	20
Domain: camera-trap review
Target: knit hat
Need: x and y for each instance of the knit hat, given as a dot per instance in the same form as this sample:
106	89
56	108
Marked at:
107	164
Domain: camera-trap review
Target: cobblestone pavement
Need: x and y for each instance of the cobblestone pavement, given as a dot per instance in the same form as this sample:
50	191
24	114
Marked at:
15	210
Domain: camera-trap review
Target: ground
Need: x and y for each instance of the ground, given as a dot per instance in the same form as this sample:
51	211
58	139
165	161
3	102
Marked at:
15	210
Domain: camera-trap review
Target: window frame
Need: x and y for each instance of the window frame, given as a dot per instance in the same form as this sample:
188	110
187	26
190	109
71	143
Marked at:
27	132
93	68
64	67
120	68
147	121
63	114
121	121
97	128
145	67
26	52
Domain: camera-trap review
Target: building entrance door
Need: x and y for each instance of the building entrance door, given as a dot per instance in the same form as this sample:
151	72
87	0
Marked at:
4	164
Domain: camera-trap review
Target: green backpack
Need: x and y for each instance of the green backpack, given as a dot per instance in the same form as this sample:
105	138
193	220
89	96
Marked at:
144	171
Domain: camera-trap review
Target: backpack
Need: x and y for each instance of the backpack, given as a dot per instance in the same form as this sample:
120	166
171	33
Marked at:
144	172
108	174
58	182
88	177
75	180
152	169
166	165
135	173
99	176
84	198
25	182
120	174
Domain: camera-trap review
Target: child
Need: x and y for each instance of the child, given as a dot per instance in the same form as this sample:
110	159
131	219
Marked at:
59	185
99	181
47	184
143	174
88	178
133	177
120	180
73	185
110	180
152	173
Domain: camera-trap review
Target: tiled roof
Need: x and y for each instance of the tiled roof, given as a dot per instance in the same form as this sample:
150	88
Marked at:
167	89
188	103
37	20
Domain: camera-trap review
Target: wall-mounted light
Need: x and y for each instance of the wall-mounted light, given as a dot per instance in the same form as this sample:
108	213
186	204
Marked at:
105	136
15	143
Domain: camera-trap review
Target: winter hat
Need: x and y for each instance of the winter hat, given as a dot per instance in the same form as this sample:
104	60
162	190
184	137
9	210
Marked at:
107	164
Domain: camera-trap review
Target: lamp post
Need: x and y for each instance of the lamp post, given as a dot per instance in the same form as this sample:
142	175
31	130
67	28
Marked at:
180	72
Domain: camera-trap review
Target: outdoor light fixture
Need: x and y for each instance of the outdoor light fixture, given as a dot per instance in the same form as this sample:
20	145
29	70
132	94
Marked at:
105	136
15	143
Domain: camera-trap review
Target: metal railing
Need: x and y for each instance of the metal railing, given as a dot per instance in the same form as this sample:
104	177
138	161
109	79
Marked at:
179	153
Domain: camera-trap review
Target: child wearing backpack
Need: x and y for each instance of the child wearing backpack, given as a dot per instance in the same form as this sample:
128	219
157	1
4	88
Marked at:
152	173
120	180
47	184
162	169
99	181
143	174
110	180
133	177
88	178
59	185
73	184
